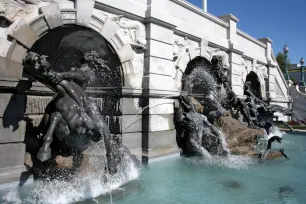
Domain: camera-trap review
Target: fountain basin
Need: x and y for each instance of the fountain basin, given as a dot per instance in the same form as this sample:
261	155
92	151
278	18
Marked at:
237	179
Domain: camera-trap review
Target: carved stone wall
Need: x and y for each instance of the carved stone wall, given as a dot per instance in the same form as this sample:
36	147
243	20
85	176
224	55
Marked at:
133	33
260	70
127	37
185	50
23	25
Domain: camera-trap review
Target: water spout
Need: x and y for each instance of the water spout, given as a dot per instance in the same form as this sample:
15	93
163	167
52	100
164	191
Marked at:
147	107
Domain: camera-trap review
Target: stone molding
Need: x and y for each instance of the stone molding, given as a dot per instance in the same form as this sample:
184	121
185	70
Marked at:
229	17
250	38
25	34
201	12
38	104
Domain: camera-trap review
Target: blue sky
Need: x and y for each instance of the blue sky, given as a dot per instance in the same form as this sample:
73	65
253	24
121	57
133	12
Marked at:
281	20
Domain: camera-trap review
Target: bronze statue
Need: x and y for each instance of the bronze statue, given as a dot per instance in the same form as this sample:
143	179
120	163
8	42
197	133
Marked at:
201	138
72	117
232	101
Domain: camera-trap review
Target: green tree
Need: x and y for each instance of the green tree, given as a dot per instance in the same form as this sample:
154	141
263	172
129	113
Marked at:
294	81
280	58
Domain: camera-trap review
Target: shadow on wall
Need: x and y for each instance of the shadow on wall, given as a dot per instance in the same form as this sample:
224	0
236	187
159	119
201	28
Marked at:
15	113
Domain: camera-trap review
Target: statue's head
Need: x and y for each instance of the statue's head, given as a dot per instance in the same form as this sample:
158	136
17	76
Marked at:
94	60
193	121
35	64
220	69
247	85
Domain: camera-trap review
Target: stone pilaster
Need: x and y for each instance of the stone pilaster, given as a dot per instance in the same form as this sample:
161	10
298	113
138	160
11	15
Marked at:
268	42
158	131
235	59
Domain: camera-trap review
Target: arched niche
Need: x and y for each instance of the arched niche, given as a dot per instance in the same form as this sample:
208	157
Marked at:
65	47
49	26
197	78
255	84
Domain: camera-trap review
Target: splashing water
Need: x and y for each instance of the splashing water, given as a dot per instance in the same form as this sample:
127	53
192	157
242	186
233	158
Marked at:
262	143
12	197
224	143
275	132
86	185
232	161
79	189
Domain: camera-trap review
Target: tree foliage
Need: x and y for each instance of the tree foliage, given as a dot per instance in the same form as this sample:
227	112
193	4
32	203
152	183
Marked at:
294	81
281	60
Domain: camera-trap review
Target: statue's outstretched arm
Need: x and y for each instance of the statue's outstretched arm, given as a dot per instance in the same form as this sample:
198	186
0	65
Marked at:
77	76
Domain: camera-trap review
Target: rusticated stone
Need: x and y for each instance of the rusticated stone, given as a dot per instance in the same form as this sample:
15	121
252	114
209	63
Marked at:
37	104
240	138
64	162
84	10
52	15
274	155
69	16
23	33
198	106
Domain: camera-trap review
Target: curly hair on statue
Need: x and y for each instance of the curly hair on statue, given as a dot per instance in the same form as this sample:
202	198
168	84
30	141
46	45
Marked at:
94	56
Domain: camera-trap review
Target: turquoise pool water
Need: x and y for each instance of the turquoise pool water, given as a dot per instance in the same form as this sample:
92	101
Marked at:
194	181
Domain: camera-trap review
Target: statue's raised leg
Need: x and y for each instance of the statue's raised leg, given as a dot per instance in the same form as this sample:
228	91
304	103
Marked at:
45	151
102	131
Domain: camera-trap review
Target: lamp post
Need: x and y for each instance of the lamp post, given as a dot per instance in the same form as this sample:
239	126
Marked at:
286	50
302	81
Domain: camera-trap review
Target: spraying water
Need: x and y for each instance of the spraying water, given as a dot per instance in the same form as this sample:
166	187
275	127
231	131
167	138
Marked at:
80	188
87	184
147	107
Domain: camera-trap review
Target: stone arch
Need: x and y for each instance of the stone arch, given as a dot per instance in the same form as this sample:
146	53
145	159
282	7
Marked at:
261	73
255	84
24	35
183	64
187	53
196	63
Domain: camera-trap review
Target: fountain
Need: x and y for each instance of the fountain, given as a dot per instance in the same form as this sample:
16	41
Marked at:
72	120
200	134
89	88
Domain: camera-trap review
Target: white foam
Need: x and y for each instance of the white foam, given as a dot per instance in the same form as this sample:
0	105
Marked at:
232	161
80	188
275	132
12	197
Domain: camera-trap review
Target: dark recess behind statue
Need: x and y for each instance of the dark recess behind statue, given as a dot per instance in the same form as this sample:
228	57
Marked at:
65	46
